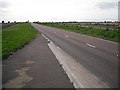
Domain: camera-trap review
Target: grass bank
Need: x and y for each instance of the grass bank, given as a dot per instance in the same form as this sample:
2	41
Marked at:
13	38
112	35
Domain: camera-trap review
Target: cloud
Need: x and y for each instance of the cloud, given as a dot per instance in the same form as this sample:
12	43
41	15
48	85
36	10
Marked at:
4	5
107	5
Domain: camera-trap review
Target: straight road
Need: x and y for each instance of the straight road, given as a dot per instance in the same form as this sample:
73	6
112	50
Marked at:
98	56
34	66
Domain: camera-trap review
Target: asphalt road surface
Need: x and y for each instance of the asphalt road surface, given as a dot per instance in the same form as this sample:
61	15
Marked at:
34	66
98	56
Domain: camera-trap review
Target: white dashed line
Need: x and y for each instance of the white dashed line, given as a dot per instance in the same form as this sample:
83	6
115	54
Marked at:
78	75
51	42
44	36
48	39
90	45
58	47
66	36
117	55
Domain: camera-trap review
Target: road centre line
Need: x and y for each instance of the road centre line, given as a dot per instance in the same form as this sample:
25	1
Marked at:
66	36
90	45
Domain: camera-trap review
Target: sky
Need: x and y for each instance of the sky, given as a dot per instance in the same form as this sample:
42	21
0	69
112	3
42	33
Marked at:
59	10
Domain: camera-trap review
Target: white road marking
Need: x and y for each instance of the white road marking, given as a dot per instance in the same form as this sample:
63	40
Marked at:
66	36
46	38
117	55
90	45
58	47
81	77
51	42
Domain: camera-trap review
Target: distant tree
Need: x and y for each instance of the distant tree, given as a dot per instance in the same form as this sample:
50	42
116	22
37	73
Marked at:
8	21
14	21
2	21
27	21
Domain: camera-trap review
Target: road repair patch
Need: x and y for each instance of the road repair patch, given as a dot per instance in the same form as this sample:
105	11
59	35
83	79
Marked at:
20	80
29	62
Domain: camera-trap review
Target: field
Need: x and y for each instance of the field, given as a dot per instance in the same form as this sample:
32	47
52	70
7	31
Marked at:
15	37
107	34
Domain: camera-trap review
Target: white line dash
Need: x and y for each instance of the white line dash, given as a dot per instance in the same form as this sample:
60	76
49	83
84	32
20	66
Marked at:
58	47
51	42
78	75
90	45
48	39
66	36
44	36
117	55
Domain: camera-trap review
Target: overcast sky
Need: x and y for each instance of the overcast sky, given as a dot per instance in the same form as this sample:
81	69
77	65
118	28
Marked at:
58	10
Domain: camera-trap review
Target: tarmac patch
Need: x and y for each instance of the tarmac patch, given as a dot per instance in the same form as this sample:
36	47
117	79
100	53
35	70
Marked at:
20	80
29	62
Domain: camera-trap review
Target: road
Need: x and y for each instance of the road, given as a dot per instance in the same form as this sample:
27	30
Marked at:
34	66
98	56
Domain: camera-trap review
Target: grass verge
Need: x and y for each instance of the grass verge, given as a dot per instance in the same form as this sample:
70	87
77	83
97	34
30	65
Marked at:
13	38
112	35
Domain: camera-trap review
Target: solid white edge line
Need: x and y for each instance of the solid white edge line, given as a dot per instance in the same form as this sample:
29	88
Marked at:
77	83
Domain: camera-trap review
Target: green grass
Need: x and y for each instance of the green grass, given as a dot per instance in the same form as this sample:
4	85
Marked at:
13	38
112	35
